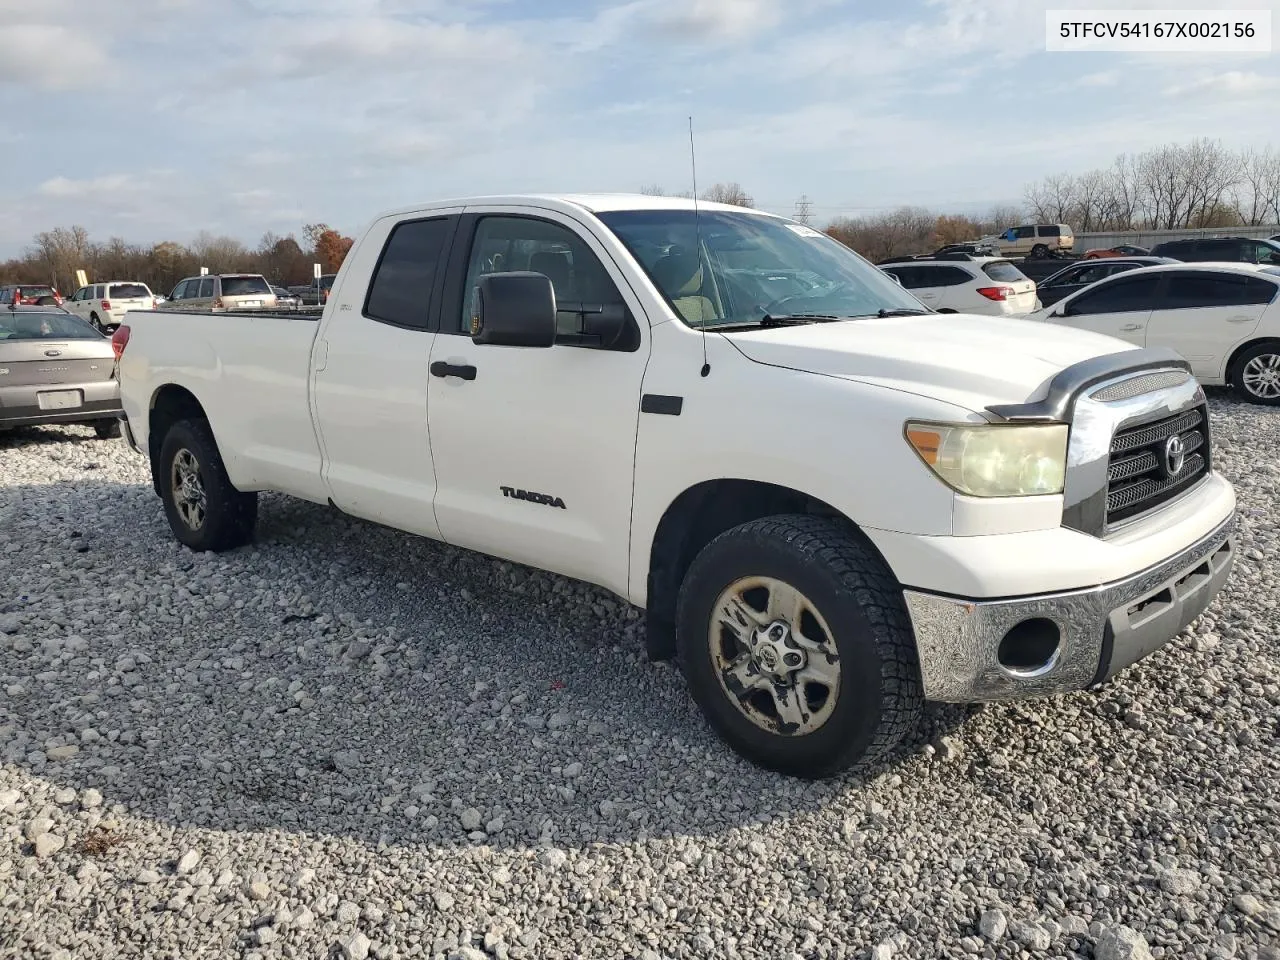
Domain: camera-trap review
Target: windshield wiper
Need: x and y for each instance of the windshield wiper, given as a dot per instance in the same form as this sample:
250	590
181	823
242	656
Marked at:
791	319
772	320
901	313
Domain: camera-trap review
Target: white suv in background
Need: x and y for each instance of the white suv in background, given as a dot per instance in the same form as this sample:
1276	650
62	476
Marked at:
105	304
961	283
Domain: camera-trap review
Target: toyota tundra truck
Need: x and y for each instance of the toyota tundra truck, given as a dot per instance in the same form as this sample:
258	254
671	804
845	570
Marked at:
832	504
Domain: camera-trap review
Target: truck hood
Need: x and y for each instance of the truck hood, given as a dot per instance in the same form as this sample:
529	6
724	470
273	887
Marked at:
964	359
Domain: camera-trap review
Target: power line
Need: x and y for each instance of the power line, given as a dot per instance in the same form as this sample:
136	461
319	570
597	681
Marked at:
803	212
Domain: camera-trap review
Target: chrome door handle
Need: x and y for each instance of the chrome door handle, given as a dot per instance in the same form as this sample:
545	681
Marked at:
1240	319
1132	326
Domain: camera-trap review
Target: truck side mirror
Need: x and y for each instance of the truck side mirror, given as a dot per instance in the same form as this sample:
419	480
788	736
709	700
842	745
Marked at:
515	310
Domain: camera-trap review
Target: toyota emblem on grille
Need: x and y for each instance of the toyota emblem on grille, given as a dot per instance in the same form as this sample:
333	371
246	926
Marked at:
1175	455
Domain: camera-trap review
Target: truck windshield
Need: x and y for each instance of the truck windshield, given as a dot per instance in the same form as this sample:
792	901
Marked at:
733	268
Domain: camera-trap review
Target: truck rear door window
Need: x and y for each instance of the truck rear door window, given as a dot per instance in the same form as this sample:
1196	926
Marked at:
400	292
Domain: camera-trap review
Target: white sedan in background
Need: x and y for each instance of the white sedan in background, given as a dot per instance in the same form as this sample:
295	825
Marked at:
1222	317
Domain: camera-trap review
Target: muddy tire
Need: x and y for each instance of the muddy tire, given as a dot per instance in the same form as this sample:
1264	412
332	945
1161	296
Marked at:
205	511
796	644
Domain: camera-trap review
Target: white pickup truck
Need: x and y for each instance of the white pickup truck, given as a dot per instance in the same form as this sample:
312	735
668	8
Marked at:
832	504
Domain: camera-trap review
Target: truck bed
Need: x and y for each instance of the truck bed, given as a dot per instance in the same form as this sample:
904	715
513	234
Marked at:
253	378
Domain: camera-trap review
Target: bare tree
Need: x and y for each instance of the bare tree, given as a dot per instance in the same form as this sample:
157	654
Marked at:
901	231
728	193
59	253
219	254
1257	195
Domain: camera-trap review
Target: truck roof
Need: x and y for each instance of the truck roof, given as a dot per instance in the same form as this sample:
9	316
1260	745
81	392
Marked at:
594	202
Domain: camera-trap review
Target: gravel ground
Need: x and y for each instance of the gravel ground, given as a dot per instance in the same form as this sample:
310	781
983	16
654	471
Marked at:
345	741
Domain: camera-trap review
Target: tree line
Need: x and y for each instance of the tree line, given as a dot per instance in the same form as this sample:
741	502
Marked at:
1177	186
55	255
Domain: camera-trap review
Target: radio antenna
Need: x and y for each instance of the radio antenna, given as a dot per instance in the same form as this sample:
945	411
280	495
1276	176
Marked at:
697	233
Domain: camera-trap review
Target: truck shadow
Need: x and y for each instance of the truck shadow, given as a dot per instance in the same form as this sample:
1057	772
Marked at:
401	683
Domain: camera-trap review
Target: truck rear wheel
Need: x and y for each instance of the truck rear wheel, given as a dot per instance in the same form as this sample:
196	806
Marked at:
205	511
797	646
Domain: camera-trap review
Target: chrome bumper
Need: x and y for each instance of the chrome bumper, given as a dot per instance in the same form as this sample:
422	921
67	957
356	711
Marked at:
1102	629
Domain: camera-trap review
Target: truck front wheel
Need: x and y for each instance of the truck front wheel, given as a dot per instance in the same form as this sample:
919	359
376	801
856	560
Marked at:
205	511
797	646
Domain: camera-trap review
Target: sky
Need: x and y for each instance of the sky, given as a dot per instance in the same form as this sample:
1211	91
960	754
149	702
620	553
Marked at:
155	119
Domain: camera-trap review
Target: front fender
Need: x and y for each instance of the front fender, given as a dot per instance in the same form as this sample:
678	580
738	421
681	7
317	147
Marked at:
835	440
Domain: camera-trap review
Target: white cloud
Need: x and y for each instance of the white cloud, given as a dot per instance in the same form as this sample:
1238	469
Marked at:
715	20
49	57
1232	83
101	187
1103	78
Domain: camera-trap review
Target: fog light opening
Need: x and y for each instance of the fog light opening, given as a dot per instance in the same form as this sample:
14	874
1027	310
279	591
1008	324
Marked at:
1031	648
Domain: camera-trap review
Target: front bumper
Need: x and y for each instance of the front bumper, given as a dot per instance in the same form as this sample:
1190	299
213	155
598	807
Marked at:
1101	630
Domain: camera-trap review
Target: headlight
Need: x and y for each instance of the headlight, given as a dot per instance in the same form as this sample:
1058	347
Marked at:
994	460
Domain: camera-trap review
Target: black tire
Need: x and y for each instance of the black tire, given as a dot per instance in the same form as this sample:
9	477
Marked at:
1246	390
106	429
946	310
228	516
878	699
1039	251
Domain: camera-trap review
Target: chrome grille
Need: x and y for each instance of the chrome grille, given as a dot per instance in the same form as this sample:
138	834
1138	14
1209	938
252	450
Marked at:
1139	475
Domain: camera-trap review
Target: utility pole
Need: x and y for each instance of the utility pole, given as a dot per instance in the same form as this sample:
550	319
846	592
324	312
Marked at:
803	213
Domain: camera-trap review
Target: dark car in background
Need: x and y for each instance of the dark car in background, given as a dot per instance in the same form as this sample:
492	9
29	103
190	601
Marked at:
56	368
1220	250
285	298
1079	275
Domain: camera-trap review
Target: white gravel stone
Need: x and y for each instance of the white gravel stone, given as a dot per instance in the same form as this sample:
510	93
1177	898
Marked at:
187	863
355	946
1030	935
47	844
1121	943
993	923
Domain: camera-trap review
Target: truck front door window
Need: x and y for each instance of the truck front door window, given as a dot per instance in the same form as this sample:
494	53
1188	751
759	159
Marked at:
506	244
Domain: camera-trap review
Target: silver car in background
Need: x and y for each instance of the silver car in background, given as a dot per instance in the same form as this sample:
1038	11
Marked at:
56	368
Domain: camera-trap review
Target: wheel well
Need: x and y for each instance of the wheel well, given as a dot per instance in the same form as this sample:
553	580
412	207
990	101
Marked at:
1239	352
946	310
693	520
170	404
